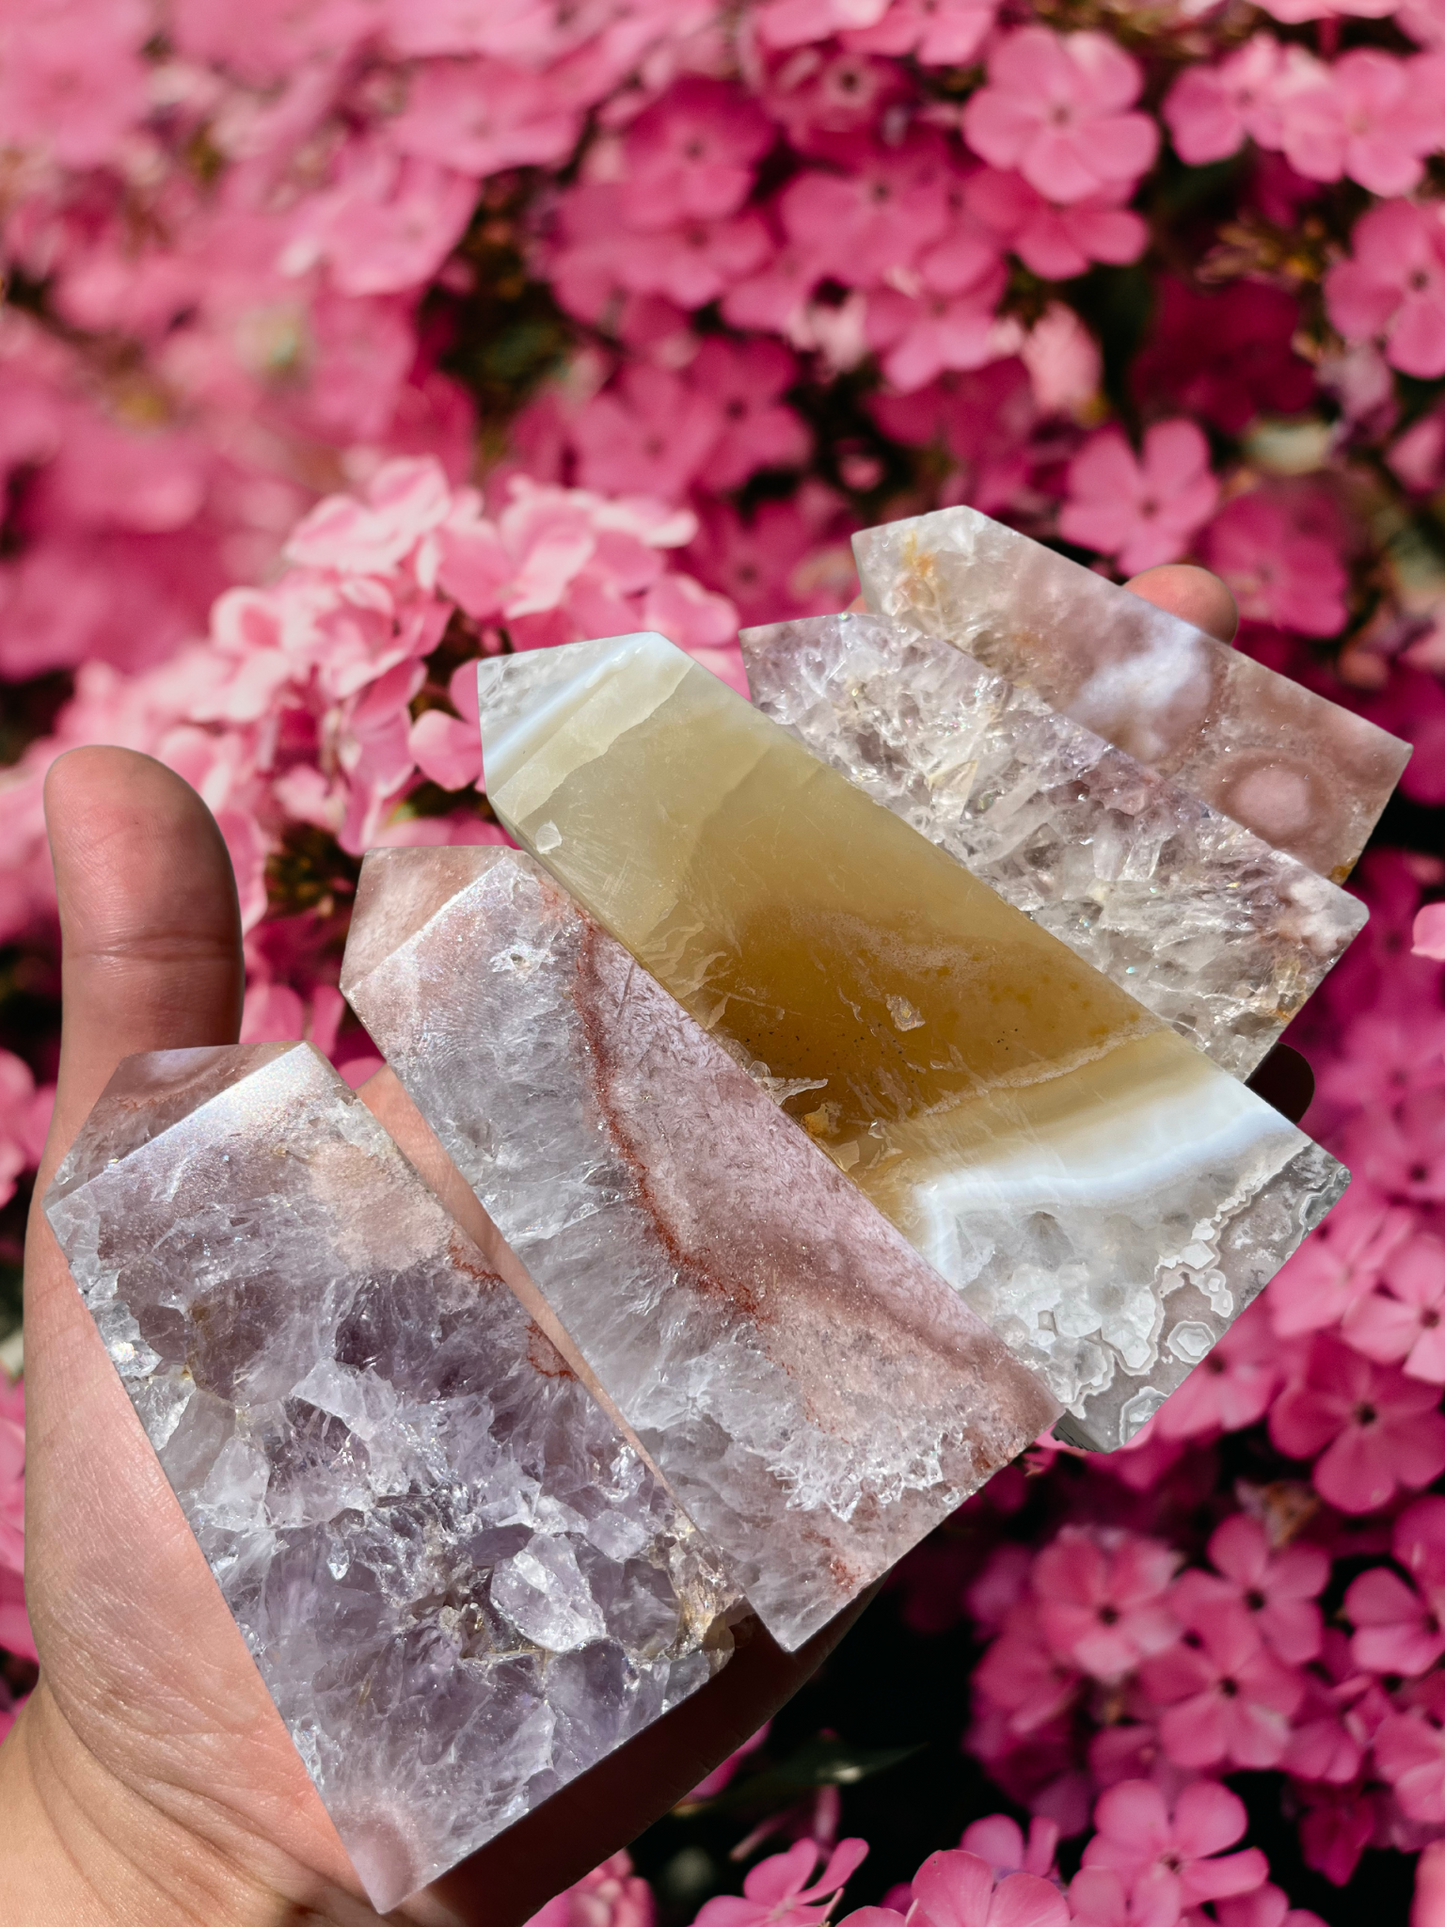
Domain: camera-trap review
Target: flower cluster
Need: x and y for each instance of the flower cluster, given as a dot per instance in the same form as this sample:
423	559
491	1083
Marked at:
314	704
345	341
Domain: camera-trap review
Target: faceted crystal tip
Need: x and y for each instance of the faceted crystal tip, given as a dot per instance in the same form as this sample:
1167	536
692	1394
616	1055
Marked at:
816	1397
461	1586
1301	772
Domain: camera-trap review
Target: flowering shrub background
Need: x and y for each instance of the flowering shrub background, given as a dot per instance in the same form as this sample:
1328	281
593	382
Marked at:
345	340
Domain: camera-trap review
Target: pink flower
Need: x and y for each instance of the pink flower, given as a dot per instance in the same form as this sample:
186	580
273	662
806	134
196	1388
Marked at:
1331	1732
690	155
1230	1388
1055	241
1021	1676
1374	1429
1336	1265
743	382
1277	1589
612	1895
922	336
1000	1841
15	1634
650	435
694	262
781	1892
1429	934
1400	1149
1398	1627
1054	108
958	1889
1399	1323
1294	11
791	23
1210	111
1392	289
71	80
1369	116
387	222
1101	1598
1335	1831
480	116
1267	1906
404	501
1410	1754
1227	1700
448	749
1141	510
1386	1053
938	33
1429	1898
24	1121
1064	364
1103	1897
1138	1834
1279	572
877	216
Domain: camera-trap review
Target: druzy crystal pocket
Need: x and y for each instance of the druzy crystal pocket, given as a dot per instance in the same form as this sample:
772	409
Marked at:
461	1584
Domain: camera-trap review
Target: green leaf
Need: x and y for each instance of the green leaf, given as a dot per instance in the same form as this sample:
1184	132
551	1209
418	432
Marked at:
817	1763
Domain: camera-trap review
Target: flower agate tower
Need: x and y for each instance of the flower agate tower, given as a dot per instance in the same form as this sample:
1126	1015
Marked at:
1302	773
1104	1196
461	1584
1211	929
816	1397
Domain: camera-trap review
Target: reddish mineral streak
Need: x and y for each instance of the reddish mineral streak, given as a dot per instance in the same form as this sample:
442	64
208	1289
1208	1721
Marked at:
698	1269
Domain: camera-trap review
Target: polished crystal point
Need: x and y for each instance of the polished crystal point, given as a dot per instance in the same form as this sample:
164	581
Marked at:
1211	929
1101	1193
461	1586
816	1397
1304	774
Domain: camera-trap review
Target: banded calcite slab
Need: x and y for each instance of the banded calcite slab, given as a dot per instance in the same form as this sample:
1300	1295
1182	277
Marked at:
1104	1196
1302	773
461	1585
1218	934
816	1397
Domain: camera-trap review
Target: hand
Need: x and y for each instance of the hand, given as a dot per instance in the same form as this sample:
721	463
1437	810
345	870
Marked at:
149	1777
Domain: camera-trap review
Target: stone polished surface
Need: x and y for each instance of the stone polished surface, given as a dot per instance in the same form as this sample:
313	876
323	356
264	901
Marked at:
1211	929
817	1398
1103	1196
1301	772
461	1586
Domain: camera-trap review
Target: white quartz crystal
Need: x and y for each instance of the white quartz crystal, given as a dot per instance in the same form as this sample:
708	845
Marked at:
461	1586
816	1397
1211	929
1301	772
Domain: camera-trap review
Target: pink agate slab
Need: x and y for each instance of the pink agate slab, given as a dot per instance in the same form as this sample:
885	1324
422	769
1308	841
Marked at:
1309	777
815	1395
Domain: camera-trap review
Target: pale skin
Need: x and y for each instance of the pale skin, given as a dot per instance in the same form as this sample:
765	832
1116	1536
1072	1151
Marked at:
148	1779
